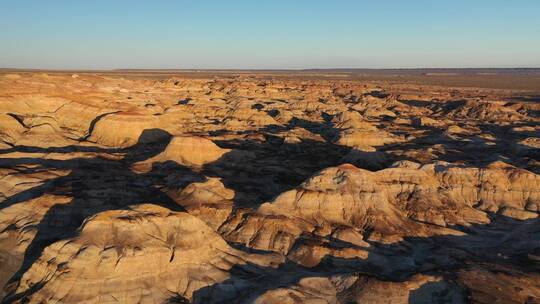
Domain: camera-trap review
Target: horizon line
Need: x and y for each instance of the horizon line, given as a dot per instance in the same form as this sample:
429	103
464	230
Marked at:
267	69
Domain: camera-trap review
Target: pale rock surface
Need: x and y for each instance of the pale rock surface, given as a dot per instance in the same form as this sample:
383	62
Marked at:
190	151
265	188
145	254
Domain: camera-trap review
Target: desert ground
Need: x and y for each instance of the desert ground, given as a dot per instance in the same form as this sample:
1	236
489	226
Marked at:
269	187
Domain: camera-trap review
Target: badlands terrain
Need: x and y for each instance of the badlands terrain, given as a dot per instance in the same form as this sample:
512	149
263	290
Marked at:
261	188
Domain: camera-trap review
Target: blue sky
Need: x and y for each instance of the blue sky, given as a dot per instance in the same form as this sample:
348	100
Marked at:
103	34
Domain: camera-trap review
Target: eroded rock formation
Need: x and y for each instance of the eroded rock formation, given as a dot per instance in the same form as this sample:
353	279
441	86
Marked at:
265	189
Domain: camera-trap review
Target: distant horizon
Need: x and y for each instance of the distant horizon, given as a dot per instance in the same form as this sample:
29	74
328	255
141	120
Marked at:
273	69
269	35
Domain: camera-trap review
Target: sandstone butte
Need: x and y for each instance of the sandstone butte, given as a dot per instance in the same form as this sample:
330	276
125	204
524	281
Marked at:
257	189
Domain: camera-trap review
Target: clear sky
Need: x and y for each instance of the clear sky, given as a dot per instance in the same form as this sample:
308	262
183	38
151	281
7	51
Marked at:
104	34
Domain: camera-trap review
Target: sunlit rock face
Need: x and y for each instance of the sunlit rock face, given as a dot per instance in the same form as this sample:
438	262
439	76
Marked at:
265	189
145	254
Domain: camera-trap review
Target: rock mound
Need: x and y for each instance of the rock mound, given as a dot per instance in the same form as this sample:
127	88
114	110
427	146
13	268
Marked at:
440	194
145	254
191	151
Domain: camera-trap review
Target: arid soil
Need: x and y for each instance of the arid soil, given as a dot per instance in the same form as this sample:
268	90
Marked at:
262	189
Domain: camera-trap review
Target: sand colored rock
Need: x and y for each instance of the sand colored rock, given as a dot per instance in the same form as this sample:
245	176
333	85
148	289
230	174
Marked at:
122	129
266	188
149	249
358	289
439	194
192	151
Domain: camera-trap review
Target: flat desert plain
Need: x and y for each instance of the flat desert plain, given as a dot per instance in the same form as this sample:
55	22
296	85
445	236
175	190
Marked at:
270	187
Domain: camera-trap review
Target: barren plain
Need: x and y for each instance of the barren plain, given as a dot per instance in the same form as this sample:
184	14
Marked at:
264	187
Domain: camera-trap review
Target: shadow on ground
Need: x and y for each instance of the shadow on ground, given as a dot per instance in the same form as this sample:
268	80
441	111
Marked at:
486	250
99	184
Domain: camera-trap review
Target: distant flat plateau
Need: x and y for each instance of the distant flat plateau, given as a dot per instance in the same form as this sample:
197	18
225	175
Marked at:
523	79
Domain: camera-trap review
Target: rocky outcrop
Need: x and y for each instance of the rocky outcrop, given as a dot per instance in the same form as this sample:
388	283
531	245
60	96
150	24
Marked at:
145	254
190	151
357	132
265	188
439	194
359	289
